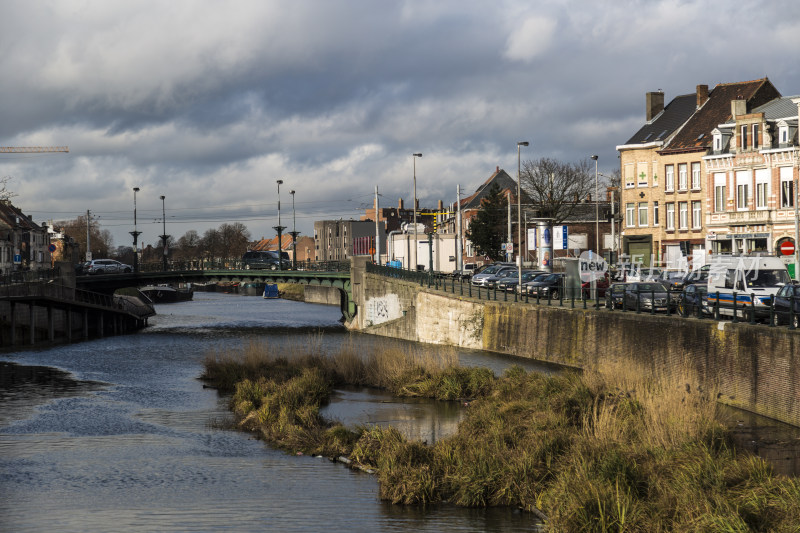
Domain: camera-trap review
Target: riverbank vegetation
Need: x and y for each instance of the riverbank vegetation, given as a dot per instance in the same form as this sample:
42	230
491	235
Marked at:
588	452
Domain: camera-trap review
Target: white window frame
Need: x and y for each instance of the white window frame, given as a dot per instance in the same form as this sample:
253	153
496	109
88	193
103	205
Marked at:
755	142
641	169
720	201
670	216
642	210
787	187
783	134
683	215
695	176
743	182
630	176
669	178
630	209
717	142
762	188
655	213
743	137
655	173
682	177
697	216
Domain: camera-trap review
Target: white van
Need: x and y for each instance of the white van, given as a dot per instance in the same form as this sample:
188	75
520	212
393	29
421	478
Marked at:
753	279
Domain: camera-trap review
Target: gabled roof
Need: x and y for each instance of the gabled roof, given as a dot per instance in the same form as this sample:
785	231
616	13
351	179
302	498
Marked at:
669	120
695	135
13	217
503	180
271	244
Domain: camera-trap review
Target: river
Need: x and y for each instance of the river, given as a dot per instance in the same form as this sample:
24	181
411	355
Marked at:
118	434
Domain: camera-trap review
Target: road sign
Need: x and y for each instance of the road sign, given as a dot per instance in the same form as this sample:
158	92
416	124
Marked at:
510	247
52	248
787	248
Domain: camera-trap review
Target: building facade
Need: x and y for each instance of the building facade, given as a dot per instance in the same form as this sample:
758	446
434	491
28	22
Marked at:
24	245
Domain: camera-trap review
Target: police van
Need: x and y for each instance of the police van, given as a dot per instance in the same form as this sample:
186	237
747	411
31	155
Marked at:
745	284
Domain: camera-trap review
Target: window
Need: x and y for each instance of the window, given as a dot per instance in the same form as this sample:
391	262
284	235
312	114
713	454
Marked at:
683	215
630	180
742	192
783	134
717	142
787	187
655	213
762	188
755	135
642	213
696	216
629	215
695	176
641	173
670	216
719	192
743	182
669	180
682	177
655	173
743	141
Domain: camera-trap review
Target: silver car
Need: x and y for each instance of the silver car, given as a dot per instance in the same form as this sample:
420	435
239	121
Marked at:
105	266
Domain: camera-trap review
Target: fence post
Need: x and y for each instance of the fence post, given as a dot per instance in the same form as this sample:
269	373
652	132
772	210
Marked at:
752	308
735	314
652	302
791	311
771	311
716	307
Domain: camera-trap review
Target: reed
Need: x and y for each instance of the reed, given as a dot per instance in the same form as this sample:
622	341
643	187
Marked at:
618	451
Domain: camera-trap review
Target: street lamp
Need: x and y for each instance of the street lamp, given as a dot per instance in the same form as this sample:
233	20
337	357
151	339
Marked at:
279	228
415	209
596	211
294	235
519	213
164	235
135	234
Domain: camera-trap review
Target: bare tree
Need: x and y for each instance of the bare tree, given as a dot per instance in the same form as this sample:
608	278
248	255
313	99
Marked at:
556	188
6	194
233	239
188	246
101	241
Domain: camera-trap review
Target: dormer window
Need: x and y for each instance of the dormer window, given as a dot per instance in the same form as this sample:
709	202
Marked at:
783	134
717	141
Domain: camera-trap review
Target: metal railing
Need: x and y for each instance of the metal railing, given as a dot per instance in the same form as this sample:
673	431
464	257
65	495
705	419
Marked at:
675	302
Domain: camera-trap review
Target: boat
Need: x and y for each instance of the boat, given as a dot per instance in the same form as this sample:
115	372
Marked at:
252	288
271	291
162	294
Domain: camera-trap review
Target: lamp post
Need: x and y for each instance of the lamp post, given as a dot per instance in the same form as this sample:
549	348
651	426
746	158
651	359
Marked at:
134	233
596	211
294	235
415	156
279	228
164	235
796	231
519	213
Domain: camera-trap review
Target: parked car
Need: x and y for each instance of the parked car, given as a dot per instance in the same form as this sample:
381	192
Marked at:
510	283
647	296
699	275
673	279
601	285
783	305
492	281
694	298
615	295
80	268
265	259
496	268
466	272
546	284
105	266
635	272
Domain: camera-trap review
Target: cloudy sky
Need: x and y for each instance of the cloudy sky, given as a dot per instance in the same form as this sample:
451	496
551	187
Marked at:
210	102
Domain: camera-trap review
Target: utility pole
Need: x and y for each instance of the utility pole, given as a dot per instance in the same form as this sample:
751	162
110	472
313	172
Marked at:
459	251
88	246
508	241
377	231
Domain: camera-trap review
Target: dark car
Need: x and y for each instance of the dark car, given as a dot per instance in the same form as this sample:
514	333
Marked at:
105	266
265	259
493	281
674	279
693	300
615	295
546	286
509	283
647	296
479	278
696	276
786	296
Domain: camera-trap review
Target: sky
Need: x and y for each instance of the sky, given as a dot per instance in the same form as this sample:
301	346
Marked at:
209	103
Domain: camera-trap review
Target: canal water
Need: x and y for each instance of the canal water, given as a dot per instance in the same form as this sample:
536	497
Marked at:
118	434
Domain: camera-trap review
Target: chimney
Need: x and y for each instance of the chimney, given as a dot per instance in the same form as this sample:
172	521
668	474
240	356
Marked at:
738	107
702	95
654	102
400	204
441	205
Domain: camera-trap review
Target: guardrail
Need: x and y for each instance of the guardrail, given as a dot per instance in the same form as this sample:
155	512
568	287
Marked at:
645	302
237	264
55	291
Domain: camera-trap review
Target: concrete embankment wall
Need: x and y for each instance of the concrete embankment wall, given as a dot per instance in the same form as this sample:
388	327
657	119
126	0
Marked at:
753	367
315	294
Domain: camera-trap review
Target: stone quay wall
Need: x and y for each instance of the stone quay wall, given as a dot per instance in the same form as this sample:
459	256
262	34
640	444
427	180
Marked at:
753	367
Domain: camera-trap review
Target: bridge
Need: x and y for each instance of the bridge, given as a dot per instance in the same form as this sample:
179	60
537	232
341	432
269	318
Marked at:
108	283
